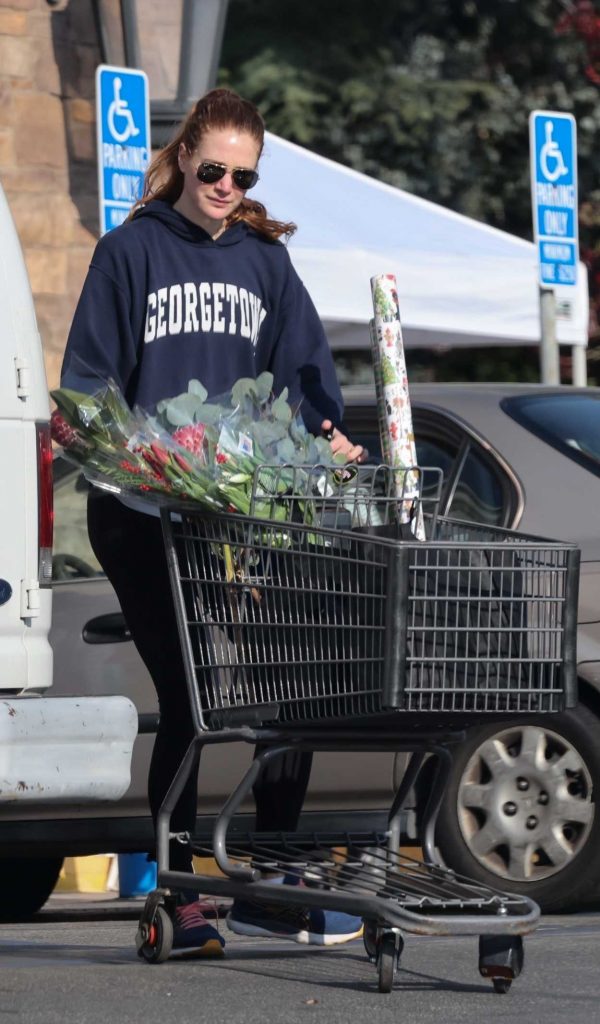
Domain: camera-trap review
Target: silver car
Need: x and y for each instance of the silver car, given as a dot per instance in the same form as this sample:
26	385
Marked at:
520	809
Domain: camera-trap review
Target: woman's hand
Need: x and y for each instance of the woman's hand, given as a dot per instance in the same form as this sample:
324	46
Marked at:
340	444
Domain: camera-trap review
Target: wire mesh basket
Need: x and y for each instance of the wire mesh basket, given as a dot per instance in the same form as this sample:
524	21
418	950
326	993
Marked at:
346	497
335	611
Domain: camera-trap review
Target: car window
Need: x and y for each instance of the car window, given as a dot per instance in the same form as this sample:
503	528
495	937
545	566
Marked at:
570	423
431	453
478	494
72	555
476	487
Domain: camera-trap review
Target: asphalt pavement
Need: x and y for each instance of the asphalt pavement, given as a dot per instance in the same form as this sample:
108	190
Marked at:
75	963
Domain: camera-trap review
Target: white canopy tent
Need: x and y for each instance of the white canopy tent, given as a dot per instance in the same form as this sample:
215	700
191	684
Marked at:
460	282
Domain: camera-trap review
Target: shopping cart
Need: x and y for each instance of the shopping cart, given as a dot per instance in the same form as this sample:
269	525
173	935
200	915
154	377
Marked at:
320	623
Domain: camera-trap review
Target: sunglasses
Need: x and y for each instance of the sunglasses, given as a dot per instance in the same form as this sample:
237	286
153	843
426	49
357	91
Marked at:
208	172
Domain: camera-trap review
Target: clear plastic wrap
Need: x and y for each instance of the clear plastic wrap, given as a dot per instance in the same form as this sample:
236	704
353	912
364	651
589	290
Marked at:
190	447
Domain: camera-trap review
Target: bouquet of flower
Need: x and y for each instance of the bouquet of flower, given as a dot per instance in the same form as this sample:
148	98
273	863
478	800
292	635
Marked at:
191	448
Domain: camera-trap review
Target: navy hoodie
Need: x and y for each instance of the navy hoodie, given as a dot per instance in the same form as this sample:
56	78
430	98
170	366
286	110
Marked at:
163	303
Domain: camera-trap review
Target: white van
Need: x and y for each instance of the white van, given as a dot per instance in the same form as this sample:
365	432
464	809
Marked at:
25	478
58	749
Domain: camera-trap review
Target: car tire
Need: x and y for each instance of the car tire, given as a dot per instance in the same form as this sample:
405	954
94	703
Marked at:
520	809
25	885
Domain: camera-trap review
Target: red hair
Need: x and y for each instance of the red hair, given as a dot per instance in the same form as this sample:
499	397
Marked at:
218	109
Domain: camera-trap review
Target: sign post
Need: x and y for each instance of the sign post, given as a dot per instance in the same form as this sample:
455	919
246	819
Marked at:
553	161
123	136
123	131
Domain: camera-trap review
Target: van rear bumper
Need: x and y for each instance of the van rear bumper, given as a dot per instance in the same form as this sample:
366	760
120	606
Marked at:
65	749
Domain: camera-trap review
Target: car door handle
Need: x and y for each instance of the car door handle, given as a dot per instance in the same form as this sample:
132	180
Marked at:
107	629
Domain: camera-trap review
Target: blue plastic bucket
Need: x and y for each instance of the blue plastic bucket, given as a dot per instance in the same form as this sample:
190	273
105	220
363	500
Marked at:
137	874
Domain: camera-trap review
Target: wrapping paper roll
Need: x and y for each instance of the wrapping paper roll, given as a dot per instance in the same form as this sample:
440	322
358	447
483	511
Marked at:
393	400
384	435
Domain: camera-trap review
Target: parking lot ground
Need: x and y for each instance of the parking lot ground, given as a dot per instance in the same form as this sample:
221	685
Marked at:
77	965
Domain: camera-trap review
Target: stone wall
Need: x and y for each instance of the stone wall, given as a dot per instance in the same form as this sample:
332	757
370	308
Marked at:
48	57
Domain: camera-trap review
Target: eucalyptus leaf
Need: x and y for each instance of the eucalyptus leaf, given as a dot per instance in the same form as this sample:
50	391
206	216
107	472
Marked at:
195	387
281	410
286	450
264	386
181	411
297	430
268	432
323	449
243	389
312	455
210	414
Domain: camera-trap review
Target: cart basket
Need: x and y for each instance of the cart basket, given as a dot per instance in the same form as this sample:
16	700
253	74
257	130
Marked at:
293	622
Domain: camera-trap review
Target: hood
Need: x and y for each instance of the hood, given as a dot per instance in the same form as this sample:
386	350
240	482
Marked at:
186	229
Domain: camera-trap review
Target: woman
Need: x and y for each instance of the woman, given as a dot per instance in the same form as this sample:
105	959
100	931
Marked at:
196	284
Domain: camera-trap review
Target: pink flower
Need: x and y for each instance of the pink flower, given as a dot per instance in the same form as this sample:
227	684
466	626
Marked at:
191	437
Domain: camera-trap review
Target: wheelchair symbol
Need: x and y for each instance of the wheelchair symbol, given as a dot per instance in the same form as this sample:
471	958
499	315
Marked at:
119	112
551	159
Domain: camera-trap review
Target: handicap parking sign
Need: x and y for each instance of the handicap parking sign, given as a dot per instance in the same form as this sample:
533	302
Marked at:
553	158
123	131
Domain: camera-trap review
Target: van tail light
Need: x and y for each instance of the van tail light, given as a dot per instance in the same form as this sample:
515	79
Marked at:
45	503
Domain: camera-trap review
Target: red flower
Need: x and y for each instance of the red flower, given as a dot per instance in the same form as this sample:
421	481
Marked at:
155	464
160	454
129	466
63	433
182	463
221	457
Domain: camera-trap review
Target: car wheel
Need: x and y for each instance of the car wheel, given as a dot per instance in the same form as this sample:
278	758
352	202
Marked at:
520	810
25	885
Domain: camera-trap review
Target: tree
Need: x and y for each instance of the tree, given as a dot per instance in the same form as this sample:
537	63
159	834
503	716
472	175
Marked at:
429	95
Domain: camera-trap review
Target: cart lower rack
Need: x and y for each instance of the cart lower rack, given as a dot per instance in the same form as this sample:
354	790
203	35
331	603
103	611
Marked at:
329	627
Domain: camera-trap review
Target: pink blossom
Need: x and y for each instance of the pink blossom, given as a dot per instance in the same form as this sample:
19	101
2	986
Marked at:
191	437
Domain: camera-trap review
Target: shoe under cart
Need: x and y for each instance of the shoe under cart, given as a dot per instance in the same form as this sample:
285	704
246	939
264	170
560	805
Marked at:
320	623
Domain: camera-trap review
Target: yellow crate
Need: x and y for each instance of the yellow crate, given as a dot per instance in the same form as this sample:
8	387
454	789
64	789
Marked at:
85	874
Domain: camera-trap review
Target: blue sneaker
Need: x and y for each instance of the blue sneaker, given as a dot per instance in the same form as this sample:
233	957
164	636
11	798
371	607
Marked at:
193	935
299	924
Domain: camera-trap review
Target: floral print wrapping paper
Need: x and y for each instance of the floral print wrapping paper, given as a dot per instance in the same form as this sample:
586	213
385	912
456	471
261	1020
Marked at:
393	400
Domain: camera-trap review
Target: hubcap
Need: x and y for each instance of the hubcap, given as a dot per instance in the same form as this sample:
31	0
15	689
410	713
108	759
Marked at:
525	803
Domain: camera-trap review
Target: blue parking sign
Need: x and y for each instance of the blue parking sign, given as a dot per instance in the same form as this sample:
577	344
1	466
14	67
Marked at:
553	158
123	132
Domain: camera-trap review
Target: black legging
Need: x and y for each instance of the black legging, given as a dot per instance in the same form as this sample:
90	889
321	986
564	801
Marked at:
129	546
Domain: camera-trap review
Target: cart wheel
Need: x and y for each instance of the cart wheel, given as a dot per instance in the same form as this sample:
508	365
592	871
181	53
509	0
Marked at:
501	958
389	948
158	945
370	940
